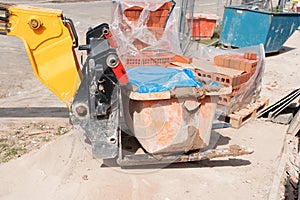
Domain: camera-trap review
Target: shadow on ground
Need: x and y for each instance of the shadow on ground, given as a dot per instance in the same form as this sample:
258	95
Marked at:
282	50
33	112
215	141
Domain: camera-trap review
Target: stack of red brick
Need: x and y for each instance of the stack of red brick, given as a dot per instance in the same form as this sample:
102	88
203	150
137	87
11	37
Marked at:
244	67
156	20
245	63
147	58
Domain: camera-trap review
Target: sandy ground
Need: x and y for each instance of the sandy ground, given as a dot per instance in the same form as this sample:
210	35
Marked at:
64	169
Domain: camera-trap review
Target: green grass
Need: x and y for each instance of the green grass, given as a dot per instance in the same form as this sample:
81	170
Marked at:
45	139
277	9
14	151
8	153
61	130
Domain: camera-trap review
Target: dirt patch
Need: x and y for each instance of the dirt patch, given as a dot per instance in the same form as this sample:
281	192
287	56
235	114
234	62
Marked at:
17	139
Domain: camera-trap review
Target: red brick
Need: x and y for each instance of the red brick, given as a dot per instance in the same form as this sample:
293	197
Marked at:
243	65
248	76
236	88
244	78
224	100
218	60
253	56
246	55
182	59
204	74
235	63
250	56
150	58
236	81
253	70
227	80
201	73
241	79
234	92
226	61
250	64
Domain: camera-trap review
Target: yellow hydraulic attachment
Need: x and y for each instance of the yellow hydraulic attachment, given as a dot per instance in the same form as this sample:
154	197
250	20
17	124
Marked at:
50	40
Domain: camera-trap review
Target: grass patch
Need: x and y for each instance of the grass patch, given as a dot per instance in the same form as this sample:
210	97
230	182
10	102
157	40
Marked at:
45	139
61	130
14	151
277	9
8	153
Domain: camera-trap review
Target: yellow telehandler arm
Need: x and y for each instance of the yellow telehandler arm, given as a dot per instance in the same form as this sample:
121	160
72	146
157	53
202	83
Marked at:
50	40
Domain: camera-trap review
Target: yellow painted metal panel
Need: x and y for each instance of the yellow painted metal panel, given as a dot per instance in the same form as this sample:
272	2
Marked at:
49	45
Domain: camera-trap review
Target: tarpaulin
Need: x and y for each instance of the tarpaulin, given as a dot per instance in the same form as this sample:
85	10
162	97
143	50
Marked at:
149	79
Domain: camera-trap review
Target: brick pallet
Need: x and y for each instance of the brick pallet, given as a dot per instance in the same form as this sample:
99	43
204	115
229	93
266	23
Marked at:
239	118
233	70
246	63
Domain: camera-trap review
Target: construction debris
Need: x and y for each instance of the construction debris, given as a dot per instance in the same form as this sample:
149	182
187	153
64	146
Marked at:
295	125
285	118
277	108
36	133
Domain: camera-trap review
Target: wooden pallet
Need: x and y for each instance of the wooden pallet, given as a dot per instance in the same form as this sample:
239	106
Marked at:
239	118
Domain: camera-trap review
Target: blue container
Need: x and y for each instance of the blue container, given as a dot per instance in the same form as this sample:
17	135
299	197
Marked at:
244	27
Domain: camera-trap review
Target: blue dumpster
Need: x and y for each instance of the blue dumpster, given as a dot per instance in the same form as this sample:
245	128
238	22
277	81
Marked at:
242	27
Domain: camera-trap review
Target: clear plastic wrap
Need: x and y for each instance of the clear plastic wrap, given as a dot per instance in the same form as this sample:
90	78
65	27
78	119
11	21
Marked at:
146	33
250	90
140	25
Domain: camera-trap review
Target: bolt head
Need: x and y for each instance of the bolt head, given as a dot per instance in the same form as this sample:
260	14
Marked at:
34	23
81	111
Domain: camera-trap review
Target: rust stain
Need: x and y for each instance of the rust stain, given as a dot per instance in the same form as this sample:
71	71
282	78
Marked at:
205	110
207	99
146	119
166	136
173	118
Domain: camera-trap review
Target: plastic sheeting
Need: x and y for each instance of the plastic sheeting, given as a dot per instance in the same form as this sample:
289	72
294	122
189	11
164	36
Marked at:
144	24
250	91
159	79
